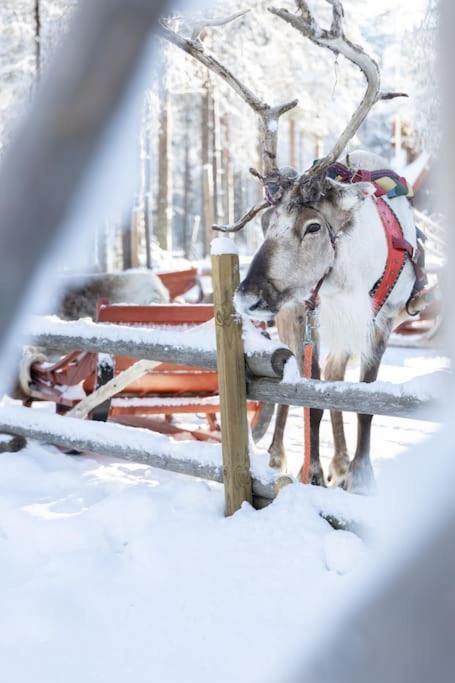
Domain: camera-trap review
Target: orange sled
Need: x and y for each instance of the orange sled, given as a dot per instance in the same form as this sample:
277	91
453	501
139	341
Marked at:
169	389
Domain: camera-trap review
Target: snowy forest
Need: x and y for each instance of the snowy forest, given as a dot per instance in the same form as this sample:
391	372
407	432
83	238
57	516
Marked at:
198	139
226	387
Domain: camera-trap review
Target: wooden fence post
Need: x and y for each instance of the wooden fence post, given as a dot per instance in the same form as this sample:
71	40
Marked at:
231	372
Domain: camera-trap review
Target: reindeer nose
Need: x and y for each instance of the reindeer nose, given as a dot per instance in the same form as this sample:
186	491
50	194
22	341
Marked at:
260	305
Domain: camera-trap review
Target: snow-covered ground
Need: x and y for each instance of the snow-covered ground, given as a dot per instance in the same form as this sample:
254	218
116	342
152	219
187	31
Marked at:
112	571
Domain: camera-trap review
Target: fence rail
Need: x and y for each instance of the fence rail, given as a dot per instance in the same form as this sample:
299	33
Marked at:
265	372
121	340
119	441
345	396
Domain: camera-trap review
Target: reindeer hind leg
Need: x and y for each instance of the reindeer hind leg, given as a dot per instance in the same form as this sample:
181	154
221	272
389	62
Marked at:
276	450
361	476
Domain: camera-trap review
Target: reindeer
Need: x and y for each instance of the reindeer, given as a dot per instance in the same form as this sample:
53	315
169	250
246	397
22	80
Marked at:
324	246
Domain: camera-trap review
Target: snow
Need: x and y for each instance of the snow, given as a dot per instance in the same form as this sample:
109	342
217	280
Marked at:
109	569
255	341
164	261
423	387
74	393
201	337
132	440
125	567
223	245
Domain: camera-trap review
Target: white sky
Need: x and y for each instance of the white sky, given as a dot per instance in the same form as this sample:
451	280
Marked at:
411	11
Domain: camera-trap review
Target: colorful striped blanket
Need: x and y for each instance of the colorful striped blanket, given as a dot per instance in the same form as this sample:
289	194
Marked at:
387	182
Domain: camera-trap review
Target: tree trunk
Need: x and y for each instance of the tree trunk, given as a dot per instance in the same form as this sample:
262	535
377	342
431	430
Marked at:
127	257
102	247
135	237
187	190
216	158
301	158
292	144
147	148
228	175
37	19
207	208
164	199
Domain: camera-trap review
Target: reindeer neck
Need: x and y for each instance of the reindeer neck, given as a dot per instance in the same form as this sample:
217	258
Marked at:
360	254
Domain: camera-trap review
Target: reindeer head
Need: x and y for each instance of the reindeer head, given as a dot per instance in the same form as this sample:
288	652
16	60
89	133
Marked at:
300	235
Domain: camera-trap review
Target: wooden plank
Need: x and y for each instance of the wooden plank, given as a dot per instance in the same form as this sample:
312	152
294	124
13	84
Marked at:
232	385
158	314
112	387
344	396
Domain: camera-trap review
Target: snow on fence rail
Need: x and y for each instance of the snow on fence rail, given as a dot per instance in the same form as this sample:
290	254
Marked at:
195	346
378	398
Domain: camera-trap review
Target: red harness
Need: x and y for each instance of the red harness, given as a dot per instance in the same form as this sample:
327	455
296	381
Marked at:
397	250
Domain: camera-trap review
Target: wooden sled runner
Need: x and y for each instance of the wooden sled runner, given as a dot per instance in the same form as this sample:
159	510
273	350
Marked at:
139	393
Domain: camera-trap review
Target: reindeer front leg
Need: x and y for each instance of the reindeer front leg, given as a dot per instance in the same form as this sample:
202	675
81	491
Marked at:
334	371
361	477
316	475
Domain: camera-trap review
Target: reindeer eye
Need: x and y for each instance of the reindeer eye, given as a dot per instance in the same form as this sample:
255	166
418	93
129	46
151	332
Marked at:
313	227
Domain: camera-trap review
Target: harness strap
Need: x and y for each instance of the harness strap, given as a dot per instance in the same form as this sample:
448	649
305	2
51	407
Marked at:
398	248
403	245
313	302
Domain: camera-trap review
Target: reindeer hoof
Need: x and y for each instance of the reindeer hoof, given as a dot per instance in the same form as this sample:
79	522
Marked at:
316	475
360	478
339	470
317	479
278	459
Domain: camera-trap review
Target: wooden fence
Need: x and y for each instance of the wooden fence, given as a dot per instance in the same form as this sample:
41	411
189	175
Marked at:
263	380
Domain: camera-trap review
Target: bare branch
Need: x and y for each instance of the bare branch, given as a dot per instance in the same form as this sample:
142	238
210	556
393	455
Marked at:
336	41
246	218
268	115
256	174
391	95
198	27
196	50
307	16
336	28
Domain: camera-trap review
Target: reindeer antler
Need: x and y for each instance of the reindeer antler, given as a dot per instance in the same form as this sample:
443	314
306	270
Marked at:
268	115
198	27
335	40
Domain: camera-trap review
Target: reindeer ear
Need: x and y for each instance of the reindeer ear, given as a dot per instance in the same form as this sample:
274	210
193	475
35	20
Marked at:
351	196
